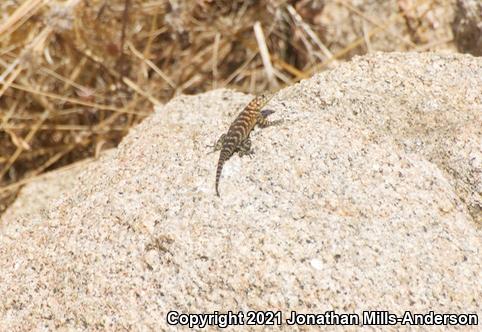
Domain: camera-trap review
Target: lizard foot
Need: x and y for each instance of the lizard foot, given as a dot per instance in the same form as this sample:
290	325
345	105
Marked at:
218	145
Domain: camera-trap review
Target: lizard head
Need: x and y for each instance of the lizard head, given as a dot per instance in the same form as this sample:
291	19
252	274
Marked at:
261	100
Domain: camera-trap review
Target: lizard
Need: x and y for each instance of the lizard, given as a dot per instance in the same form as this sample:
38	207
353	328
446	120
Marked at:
237	138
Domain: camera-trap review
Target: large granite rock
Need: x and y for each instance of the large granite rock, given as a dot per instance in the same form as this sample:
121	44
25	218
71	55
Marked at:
367	197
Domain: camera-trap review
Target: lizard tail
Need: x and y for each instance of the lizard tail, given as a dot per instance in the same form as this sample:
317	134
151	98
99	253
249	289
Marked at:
222	158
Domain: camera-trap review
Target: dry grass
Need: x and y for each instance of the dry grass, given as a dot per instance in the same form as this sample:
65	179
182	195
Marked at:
75	75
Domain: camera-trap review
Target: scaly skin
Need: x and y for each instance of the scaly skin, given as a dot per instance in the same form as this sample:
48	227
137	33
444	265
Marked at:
237	137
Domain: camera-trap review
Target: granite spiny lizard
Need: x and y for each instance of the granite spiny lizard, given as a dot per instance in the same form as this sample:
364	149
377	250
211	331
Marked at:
237	137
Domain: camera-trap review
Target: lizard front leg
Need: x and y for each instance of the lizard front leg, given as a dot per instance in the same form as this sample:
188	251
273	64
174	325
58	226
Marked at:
262	120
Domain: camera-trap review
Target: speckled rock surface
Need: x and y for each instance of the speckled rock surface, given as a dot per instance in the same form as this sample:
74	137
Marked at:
35	198
365	198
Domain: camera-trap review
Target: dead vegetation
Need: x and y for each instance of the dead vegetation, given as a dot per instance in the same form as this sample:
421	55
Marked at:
75	75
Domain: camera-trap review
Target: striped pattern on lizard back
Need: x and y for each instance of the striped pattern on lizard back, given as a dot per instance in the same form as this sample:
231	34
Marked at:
237	137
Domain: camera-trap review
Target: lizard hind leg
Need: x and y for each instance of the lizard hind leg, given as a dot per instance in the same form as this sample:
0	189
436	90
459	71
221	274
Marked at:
245	148
218	145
